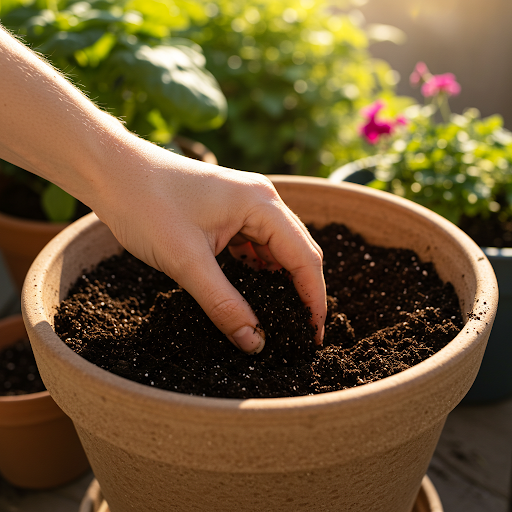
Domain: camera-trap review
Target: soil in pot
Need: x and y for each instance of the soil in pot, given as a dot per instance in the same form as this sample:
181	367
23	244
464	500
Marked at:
387	312
18	370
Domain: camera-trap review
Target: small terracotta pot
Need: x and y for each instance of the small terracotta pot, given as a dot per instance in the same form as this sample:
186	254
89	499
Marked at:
364	449
39	447
21	240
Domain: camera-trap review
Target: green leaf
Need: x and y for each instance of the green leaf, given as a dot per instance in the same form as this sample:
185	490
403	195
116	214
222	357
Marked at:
180	85
58	205
64	44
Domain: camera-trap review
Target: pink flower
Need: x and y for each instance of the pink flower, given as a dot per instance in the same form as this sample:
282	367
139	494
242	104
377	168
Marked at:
419	73
441	83
374	129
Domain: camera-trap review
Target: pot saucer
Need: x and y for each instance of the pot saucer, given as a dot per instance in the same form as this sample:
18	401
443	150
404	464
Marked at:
427	500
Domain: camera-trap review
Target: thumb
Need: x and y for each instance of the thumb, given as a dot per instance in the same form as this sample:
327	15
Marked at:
223	304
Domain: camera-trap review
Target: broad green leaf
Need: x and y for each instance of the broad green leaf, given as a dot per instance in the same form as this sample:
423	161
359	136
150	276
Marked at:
176	81
64	44
58	205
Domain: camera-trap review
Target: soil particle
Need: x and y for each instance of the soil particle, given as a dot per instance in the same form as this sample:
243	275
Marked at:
387	311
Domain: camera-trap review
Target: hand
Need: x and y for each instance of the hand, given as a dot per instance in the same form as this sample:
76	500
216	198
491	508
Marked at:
174	213
177	214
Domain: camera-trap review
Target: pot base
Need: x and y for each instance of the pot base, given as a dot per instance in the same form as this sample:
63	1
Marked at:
427	500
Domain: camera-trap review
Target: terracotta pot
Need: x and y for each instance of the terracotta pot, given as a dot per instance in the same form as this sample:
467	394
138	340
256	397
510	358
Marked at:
364	449
21	240
39	447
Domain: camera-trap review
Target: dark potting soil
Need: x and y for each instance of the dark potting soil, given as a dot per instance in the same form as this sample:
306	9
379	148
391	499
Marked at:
387	311
18	370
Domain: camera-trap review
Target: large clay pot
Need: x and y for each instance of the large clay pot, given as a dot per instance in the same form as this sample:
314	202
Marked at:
364	449
39	447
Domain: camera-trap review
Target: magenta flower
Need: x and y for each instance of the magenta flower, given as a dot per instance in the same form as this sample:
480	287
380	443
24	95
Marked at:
441	83
373	129
419	73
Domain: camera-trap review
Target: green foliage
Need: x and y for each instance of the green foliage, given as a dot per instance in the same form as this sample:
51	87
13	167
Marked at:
122	54
458	168
295	74
58	205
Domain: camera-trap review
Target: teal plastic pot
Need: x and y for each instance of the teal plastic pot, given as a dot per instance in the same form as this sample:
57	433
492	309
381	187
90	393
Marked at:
494	380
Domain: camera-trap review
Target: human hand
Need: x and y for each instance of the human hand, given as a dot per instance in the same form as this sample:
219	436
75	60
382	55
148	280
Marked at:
177	214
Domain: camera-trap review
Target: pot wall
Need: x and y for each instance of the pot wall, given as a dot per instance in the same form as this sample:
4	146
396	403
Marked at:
364	449
39	447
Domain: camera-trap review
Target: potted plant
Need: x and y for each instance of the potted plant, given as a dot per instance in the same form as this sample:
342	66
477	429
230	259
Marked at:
366	448
302	68
39	447
459	166
124	58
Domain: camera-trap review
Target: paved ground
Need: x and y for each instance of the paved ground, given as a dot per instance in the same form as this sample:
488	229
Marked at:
471	467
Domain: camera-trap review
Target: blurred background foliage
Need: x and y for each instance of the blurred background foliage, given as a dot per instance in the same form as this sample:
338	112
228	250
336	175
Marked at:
294	73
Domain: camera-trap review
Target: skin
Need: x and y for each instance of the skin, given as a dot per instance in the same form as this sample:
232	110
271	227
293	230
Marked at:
174	213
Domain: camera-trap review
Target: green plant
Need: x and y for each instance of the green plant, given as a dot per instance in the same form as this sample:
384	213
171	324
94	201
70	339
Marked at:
295	74
459	166
124	56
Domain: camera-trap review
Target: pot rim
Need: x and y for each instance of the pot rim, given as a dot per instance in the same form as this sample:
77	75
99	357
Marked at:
419	375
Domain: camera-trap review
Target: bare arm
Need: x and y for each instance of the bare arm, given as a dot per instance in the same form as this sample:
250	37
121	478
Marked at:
174	213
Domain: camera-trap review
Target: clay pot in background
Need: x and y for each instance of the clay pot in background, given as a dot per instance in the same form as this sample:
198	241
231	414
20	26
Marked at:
39	447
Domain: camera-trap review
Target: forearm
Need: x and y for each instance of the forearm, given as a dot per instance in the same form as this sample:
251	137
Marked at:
47	126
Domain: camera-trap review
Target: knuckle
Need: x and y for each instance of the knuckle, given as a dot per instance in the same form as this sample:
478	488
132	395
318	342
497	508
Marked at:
264	185
223	311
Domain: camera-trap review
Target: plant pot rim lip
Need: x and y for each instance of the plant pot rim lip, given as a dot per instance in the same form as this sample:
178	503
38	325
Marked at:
27	396
419	375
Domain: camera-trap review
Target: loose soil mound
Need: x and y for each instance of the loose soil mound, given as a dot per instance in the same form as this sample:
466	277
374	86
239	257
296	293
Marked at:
387	311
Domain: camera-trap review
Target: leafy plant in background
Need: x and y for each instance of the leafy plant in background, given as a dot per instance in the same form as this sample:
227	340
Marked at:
124	56
295	74
459	166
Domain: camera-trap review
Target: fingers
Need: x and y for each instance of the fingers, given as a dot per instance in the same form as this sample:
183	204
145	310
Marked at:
226	308
291	246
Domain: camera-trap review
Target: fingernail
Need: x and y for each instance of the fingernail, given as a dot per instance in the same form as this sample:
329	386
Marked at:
248	339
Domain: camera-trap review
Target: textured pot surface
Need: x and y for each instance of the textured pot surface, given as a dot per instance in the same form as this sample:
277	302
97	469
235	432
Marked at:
39	447
364	449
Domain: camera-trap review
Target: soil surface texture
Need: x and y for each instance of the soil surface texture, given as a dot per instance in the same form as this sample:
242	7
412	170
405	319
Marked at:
18	370
387	311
